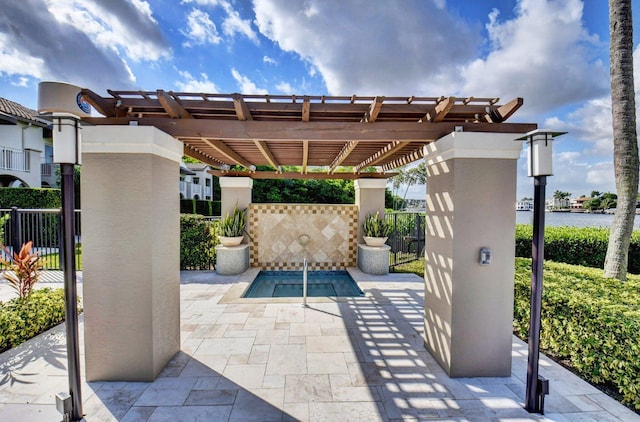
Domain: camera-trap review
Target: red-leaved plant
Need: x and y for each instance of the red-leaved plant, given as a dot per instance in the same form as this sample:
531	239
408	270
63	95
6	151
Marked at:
23	269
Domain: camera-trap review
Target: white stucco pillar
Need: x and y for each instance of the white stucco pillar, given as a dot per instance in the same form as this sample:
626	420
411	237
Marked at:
130	249
471	193
235	191
369	197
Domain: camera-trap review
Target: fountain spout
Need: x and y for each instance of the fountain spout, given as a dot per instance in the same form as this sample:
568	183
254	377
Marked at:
304	282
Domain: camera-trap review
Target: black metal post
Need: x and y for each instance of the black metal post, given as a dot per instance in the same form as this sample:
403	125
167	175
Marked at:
71	296
15	230
533	401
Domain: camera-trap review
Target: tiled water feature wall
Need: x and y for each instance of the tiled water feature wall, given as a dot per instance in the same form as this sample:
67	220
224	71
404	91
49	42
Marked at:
283	234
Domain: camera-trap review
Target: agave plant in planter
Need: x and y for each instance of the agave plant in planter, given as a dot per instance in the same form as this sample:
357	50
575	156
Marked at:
376	230
232	227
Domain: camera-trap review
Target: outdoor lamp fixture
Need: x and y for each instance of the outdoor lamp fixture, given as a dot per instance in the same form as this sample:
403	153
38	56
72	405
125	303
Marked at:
64	105
539	154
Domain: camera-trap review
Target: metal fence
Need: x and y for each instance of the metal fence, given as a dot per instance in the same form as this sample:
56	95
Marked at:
42	226
407	238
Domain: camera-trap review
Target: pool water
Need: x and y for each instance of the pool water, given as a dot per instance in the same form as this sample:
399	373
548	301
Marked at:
289	284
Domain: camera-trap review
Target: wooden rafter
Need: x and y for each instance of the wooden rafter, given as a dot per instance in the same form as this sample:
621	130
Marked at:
305	156
104	106
228	152
385	152
402	161
199	155
295	175
242	109
507	110
172	107
266	152
371	115
306	109
441	110
346	150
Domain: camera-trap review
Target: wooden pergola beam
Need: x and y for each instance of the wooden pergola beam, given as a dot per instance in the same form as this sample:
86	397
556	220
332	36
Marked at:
200	156
173	108
442	108
346	150
388	150
306	109
505	111
228	152
304	176
104	106
407	159
372	114
266	152
241	107
305	156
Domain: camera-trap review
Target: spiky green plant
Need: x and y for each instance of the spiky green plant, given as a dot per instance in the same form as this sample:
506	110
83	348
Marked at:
375	226
233	225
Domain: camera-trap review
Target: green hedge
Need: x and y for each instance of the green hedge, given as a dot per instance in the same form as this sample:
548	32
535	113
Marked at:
22	319
30	198
592	321
198	238
580	246
198	206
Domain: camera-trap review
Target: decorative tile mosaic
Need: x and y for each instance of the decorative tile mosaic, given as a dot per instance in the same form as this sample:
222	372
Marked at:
283	234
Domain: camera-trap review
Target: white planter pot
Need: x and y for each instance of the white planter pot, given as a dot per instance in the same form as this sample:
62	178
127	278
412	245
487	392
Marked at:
230	241
375	242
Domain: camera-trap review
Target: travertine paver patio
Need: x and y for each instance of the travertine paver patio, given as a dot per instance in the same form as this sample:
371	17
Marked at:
245	360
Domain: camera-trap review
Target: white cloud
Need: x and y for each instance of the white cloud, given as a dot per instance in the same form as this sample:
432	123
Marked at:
543	54
246	85
384	48
285	87
124	26
233	24
268	60
191	84
201	30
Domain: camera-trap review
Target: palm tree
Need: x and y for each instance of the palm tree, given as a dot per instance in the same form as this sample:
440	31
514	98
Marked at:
625	142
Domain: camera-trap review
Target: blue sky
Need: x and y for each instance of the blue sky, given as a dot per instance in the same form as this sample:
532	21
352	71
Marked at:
553	53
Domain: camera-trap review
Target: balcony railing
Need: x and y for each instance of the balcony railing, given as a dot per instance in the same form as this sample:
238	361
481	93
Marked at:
14	159
183	187
196	190
47	169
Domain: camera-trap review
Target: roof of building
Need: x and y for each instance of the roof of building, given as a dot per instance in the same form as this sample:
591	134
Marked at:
12	112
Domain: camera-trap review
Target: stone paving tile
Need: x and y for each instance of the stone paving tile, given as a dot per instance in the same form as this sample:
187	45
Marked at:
190	413
361	359
287	359
307	388
326	363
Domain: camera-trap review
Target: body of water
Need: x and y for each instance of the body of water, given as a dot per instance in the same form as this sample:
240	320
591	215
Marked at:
572	219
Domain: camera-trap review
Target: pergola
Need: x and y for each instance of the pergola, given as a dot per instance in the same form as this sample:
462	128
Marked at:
337	137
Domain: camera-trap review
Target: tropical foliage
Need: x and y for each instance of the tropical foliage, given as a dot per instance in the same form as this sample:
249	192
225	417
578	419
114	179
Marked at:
591	321
23	269
233	225
21	319
580	246
375	226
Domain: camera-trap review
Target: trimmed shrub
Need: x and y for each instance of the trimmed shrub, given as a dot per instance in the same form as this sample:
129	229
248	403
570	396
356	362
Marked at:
198	238
579	246
201	207
590	320
30	198
21	319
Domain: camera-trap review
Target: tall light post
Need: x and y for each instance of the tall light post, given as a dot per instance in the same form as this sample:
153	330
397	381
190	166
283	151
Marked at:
540	161
64	104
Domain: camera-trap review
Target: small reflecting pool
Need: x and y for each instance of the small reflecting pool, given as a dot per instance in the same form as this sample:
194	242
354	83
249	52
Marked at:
289	284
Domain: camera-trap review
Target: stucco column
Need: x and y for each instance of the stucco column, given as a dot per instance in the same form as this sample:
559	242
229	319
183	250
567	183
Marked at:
369	196
235	190
471	193
131	258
